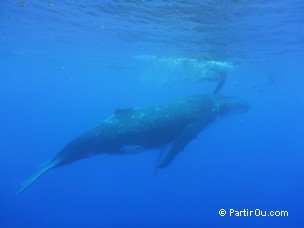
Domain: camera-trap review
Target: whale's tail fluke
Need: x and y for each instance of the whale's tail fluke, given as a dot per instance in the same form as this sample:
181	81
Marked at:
28	182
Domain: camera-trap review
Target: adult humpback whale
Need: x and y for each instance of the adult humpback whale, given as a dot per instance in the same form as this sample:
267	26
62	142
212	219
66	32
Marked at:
172	124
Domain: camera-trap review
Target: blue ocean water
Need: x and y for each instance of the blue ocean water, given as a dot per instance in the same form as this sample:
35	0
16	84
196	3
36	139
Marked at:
67	65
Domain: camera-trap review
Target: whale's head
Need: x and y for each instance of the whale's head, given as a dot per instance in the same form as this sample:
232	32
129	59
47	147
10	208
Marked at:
226	105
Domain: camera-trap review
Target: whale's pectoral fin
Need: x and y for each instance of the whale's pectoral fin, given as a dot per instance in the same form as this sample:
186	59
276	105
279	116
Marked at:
162	153
189	133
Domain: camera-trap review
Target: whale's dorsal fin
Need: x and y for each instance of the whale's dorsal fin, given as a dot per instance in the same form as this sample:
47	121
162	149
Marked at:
122	111
188	133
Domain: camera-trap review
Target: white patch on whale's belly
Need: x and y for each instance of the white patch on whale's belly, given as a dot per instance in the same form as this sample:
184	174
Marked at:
131	149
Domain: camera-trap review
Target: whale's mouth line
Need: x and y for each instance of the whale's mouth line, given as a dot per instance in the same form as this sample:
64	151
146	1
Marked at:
237	111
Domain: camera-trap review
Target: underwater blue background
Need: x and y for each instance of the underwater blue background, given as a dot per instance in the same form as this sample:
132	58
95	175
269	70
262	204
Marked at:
67	65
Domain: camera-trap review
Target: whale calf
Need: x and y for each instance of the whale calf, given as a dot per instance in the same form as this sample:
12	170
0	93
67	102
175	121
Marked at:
172	124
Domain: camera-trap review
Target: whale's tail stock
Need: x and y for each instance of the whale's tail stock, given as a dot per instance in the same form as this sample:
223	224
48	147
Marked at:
28	182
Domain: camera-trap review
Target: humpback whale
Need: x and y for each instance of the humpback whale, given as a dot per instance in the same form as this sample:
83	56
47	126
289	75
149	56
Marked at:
172	124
